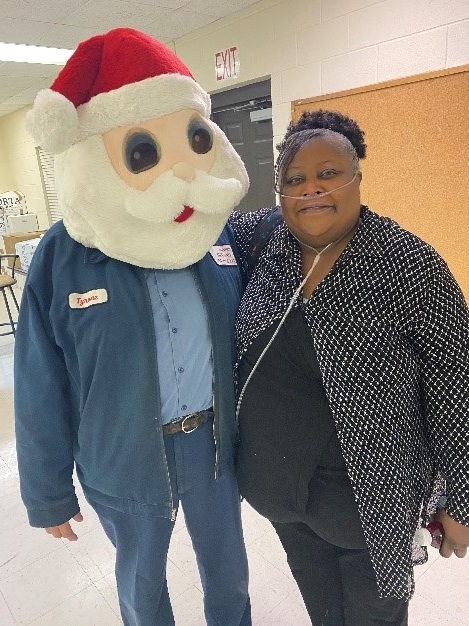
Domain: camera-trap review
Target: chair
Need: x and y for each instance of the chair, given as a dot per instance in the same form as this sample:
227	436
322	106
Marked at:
7	282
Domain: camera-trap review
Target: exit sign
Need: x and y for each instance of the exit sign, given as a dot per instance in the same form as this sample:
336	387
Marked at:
227	63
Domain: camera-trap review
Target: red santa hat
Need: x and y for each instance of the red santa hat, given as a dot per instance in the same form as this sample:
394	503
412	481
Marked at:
122	77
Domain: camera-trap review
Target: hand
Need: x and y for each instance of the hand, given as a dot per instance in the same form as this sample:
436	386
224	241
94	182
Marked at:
64	531
456	536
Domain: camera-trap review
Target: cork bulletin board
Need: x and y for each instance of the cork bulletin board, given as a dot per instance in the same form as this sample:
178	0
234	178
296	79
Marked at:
417	165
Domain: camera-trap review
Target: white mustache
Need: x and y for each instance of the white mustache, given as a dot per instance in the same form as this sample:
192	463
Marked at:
167	195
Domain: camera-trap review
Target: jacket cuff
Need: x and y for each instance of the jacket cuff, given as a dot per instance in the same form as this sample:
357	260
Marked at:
54	516
455	510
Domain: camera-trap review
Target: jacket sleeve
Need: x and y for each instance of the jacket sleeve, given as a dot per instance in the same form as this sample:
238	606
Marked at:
444	348
43	412
243	225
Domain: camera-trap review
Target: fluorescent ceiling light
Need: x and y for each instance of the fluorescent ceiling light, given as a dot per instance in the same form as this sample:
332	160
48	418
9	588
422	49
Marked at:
21	53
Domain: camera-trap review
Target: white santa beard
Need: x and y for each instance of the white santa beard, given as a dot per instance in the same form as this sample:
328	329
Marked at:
167	196
102	211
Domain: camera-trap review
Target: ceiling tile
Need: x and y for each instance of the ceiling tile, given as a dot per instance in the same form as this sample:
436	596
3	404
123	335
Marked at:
64	23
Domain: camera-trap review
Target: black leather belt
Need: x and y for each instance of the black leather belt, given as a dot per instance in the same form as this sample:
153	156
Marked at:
188	423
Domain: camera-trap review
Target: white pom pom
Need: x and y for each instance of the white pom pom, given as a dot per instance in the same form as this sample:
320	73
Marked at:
422	537
53	121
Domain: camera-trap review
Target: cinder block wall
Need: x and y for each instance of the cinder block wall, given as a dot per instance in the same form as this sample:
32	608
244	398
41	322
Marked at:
307	47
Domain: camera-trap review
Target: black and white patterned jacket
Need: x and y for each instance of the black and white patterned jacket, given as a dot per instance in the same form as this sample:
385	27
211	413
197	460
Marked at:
391	331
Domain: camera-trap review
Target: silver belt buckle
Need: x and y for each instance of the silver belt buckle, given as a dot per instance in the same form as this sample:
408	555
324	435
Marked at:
183	422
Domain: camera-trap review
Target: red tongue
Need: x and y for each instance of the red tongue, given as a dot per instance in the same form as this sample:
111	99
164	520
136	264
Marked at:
182	217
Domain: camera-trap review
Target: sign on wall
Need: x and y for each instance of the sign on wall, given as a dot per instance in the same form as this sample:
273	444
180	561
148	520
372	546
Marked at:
227	63
11	203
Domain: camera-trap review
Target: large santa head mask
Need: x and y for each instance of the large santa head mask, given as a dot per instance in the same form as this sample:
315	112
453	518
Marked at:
142	173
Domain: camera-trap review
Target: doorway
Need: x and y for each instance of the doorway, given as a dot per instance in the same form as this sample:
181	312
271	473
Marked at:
245	116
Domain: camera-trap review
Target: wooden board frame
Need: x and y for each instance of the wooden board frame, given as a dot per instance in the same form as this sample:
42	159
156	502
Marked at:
417	165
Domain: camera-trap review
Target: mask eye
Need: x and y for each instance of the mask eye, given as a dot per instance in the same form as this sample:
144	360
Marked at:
141	152
200	137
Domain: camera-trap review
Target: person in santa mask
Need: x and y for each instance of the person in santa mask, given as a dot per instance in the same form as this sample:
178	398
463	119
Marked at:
125	342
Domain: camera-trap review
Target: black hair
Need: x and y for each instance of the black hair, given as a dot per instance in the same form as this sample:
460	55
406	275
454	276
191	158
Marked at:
331	120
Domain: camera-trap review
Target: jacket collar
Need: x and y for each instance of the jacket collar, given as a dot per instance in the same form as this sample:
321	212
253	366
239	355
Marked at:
93	255
367	241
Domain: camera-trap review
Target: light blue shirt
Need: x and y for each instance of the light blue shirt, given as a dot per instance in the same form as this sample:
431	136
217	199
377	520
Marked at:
183	346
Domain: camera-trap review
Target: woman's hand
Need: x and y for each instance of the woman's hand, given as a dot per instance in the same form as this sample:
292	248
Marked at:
456	536
64	531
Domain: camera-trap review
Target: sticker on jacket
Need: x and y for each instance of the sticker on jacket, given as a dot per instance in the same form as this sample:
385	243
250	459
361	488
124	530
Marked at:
223	255
84	300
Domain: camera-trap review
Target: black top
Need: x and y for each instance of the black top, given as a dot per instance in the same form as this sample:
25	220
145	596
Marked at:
290	466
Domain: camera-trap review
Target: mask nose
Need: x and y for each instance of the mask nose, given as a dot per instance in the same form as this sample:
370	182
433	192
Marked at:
185	171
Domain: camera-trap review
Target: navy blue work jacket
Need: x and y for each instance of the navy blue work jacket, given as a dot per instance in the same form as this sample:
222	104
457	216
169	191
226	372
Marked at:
86	380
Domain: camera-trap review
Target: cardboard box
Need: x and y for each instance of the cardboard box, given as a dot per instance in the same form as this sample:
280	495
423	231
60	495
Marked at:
25	250
21	223
10	241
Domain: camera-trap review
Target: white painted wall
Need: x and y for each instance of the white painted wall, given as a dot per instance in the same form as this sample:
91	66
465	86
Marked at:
307	47
18	165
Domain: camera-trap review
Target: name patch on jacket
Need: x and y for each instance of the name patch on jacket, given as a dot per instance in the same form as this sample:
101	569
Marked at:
223	255
84	300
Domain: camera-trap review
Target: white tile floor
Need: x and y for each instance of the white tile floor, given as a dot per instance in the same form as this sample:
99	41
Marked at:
47	582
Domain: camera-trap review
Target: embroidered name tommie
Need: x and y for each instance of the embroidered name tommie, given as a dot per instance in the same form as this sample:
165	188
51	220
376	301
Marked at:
84	300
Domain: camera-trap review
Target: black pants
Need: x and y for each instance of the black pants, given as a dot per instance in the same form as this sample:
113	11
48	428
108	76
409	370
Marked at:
338	585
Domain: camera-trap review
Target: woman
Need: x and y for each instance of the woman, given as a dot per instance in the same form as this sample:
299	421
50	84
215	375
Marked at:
353	376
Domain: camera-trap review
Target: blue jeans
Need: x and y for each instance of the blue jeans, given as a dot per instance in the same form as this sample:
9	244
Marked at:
213	519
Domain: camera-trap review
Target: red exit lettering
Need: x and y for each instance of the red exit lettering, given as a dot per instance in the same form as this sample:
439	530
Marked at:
227	63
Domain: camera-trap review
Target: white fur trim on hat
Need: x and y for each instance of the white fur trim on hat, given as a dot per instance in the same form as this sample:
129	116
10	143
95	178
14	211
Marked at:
137	102
56	125
53	121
